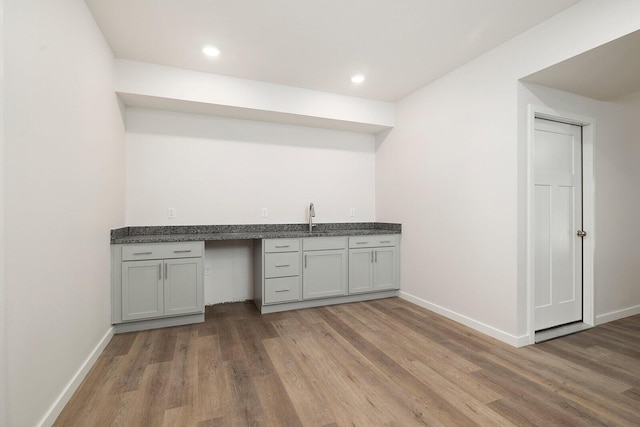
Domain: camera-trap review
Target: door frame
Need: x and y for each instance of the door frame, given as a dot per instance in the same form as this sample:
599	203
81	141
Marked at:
588	209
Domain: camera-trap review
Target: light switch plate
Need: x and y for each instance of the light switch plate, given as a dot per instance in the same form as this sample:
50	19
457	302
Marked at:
265	212
171	213
352	212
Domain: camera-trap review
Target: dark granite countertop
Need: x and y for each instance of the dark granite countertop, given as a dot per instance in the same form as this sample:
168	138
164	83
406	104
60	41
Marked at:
185	233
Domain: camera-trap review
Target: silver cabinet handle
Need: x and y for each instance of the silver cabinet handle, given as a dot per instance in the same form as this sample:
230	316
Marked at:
282	290
371	255
160	271
182	251
283	265
166	271
376	256
385	241
581	233
142	253
305	261
282	246
361	243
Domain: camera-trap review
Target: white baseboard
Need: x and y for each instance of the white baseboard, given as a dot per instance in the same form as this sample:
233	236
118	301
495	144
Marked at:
618	314
467	321
57	407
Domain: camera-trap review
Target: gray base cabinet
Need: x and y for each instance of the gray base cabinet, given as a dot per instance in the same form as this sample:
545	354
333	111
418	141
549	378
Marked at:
385	268
183	286
360	270
142	290
155	282
373	263
308	272
324	273
281	270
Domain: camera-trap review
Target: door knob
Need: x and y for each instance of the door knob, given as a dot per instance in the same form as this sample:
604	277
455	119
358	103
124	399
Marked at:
581	233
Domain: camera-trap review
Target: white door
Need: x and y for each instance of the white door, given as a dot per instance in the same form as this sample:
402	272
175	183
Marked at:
557	221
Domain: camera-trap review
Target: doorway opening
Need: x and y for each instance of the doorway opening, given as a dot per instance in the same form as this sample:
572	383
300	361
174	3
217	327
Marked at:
560	223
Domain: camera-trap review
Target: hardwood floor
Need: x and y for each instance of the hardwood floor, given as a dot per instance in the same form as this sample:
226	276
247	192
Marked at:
379	363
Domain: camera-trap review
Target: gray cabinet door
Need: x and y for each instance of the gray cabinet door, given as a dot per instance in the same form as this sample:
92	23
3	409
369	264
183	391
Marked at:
183	287
142	290
360	270
324	274
385	269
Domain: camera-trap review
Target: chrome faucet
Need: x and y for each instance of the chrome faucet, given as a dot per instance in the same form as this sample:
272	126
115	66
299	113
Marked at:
312	213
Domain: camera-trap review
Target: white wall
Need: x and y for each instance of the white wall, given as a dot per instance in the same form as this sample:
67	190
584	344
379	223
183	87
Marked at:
451	172
230	267
4	420
617	268
155	86
447	173
64	190
224	171
216	170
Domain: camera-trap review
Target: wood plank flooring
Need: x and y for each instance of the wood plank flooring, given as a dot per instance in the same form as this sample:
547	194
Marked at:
378	363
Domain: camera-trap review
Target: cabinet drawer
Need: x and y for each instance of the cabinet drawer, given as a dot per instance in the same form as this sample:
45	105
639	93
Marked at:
282	264
323	243
373	241
162	250
282	245
281	289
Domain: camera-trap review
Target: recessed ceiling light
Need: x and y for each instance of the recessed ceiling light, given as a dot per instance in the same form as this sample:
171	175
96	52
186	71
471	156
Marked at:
211	51
357	79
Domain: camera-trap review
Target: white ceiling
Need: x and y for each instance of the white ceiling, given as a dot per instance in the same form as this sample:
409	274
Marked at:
605	72
400	45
